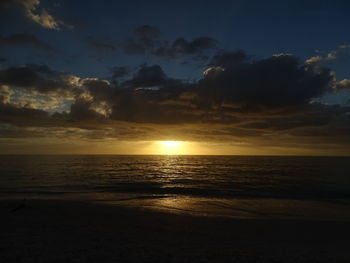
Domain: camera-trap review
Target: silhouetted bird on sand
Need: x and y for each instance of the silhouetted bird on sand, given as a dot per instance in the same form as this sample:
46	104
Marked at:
20	206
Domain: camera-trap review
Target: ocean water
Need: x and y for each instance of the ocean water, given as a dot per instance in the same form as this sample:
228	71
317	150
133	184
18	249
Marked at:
212	176
178	181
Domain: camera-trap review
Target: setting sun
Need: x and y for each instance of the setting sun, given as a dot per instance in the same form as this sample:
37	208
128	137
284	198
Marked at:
171	144
170	147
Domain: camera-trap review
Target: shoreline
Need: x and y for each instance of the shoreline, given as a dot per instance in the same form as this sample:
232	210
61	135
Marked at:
236	208
81	231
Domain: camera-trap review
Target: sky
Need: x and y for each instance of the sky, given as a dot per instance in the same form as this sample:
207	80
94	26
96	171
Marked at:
219	77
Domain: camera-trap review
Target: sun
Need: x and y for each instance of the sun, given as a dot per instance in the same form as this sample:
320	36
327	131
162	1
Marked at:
171	144
170	147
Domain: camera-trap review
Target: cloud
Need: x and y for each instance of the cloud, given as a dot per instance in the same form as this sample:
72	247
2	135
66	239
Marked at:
147	32
264	102
5	94
147	76
117	73
340	52
11	114
31	10
275	82
343	84
44	19
232	86
100	45
212	71
39	78
182	47
25	39
146	40
33	87
315	59
226	59
99	89
83	110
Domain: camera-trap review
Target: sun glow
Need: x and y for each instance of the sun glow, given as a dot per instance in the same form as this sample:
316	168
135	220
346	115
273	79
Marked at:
170	147
171	144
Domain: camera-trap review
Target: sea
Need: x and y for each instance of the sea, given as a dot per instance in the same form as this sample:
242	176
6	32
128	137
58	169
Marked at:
235	186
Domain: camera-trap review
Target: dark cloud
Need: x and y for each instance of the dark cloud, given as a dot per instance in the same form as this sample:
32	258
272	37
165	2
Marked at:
182	47
100	45
17	115
146	39
312	115
82	110
134	47
25	39
37	80
100	90
234	86
147	32
228	59
148	76
36	77
237	97
117	73
275	82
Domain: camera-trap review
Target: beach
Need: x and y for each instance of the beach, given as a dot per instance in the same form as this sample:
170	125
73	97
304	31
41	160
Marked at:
83	231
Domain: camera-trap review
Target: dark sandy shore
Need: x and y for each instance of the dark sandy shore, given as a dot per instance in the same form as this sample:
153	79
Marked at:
69	231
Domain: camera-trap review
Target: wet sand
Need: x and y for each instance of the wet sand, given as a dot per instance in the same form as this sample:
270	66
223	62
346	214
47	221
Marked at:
77	231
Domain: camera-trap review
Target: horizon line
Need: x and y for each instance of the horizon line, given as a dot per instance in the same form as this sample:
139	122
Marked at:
118	154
